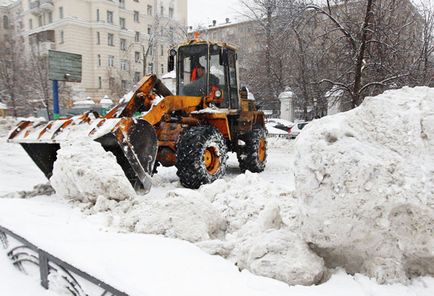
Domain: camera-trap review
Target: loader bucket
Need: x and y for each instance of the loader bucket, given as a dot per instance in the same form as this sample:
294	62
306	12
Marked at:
133	142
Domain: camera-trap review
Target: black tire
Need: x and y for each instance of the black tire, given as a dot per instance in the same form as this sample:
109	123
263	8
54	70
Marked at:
249	156
201	155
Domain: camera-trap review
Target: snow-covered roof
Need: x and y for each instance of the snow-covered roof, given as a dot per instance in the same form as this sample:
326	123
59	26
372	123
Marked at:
170	75
281	121
6	2
84	102
106	102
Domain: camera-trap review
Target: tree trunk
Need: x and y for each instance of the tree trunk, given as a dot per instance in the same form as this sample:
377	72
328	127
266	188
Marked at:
356	96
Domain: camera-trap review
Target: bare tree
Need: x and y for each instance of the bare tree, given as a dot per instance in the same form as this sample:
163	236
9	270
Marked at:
39	86
11	69
272	22
371	51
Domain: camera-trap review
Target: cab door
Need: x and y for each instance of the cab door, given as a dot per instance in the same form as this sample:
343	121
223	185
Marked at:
234	100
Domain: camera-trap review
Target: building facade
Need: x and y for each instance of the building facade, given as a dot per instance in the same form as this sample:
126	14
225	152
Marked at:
119	40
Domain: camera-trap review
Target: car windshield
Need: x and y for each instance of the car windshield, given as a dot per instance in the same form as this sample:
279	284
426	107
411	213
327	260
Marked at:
302	125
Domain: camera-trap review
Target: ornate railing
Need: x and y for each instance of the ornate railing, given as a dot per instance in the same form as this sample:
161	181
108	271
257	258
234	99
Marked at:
25	255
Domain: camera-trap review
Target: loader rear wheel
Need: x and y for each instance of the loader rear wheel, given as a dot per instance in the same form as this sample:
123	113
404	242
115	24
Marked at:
201	155
252	156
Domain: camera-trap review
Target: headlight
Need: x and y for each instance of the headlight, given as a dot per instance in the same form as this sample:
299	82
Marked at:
218	94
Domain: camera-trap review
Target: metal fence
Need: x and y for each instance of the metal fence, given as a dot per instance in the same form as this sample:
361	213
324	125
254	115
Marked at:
77	282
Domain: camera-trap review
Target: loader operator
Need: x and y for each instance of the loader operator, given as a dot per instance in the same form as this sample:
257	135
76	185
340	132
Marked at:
197	72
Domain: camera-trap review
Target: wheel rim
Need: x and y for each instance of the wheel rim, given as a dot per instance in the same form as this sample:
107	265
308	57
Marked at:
262	149
211	160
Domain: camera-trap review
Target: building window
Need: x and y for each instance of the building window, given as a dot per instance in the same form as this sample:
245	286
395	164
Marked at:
50	17
136	77
62	37
122	3
40	21
122	23
98	38
171	12
30	24
162	10
97	15
137	37
111	61
61	12
111	82
136	17
110	38
150	68
161	50
137	57
162	68
124	65
123	44
99	60
149	29
109	17
99	82
123	84
5	22
149	10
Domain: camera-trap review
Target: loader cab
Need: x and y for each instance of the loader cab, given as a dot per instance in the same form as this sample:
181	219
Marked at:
203	68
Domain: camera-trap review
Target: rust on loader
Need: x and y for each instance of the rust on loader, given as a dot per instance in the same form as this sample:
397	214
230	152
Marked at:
192	130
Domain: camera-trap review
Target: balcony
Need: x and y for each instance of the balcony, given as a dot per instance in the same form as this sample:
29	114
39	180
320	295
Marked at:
46	5
40	6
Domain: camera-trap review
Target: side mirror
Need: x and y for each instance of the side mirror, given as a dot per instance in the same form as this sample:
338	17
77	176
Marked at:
171	60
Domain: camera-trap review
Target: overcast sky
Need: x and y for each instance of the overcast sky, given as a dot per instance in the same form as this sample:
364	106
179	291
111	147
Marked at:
205	11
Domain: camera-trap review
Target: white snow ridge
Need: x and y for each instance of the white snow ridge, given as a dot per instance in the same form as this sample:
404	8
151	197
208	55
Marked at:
365	182
84	171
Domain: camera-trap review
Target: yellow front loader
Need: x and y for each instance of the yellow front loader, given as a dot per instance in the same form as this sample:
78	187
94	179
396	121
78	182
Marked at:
193	130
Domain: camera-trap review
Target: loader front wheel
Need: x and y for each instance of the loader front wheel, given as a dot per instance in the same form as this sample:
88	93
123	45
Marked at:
252	155
201	155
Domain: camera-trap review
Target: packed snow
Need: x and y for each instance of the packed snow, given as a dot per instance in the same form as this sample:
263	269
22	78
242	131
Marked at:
365	183
84	171
352	195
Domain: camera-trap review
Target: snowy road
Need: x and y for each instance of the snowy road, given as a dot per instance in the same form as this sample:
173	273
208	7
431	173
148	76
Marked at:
147	264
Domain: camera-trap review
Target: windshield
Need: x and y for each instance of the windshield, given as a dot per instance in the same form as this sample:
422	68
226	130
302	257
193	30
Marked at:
192	67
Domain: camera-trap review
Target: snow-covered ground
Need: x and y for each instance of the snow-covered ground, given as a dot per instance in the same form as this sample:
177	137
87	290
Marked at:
144	264
165	243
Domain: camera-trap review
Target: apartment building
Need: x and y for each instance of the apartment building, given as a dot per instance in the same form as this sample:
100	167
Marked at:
119	40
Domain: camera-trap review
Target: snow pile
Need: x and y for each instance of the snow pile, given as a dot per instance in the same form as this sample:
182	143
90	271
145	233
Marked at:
6	125
84	171
365	181
38	190
261	230
248	220
181	214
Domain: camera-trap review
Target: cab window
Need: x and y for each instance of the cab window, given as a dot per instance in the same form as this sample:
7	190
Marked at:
192	67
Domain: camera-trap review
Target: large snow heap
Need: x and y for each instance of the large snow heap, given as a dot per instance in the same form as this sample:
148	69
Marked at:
84	171
365	183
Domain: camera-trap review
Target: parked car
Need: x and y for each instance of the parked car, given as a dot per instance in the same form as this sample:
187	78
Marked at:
296	129
279	127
